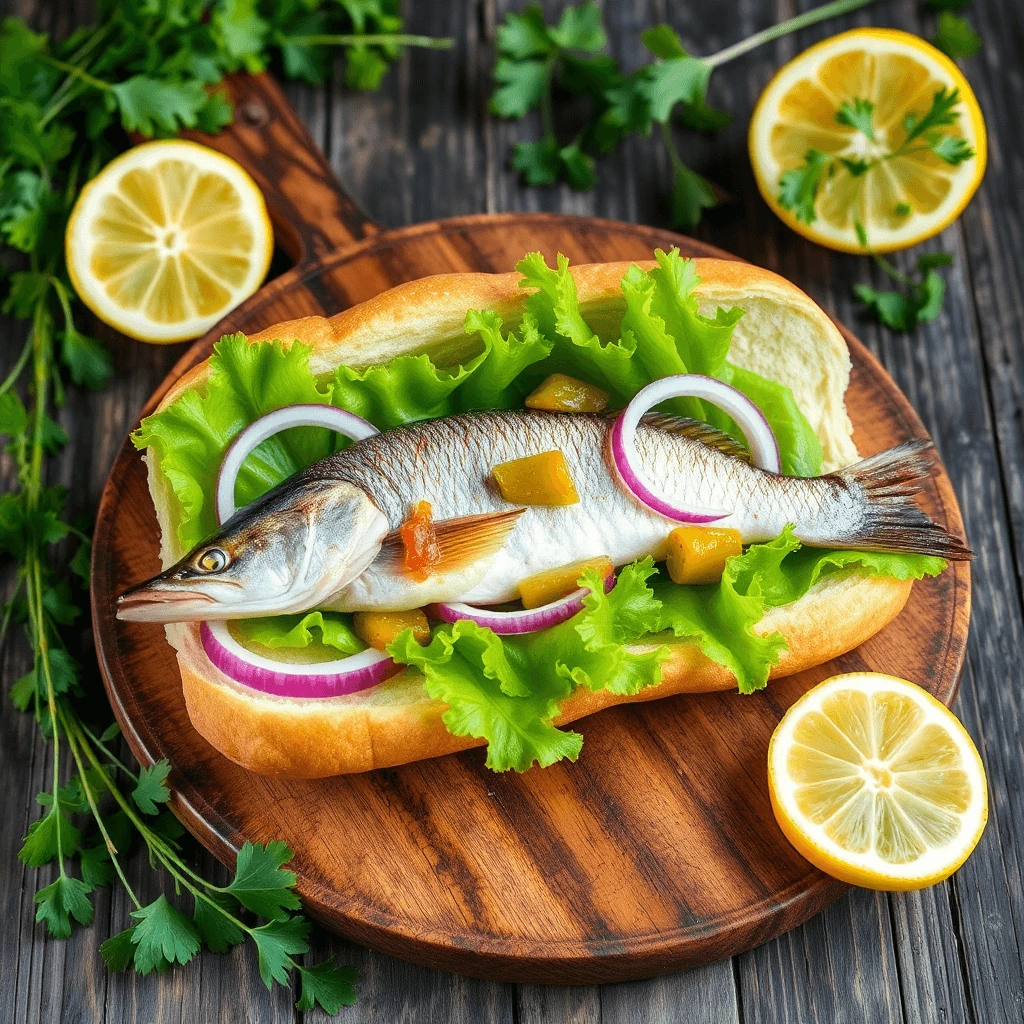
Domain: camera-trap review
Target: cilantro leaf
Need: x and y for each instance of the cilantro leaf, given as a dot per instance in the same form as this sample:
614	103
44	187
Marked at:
951	149
580	28
39	845
328	985
80	563
61	900
261	884
521	86
155	106
858	115
663	41
217	931
525	34
537	162
691	194
941	114
955	37
241	34
798	187
679	80
162	937
921	302
119	950
13	416
151	789
277	941
88	361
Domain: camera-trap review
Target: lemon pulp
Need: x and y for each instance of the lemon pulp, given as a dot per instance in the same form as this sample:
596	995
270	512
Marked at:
877	783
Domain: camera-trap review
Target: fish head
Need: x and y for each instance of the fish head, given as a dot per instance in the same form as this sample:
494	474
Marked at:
288	551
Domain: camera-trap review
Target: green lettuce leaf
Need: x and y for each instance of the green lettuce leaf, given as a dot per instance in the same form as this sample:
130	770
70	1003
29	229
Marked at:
489	697
494	383
720	617
189	437
296	632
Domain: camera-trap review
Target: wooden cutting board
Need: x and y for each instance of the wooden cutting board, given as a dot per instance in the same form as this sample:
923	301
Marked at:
657	850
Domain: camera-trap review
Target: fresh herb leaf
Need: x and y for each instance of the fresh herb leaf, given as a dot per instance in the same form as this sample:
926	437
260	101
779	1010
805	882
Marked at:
215	927
162	937
40	844
919	302
62	899
261	884
955	37
151	789
328	985
89	363
858	115
691	195
798	188
118	951
278	941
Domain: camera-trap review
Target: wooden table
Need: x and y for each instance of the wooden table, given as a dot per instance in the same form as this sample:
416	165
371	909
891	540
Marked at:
425	147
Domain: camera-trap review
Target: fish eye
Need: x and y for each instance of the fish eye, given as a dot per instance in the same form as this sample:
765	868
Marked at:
212	560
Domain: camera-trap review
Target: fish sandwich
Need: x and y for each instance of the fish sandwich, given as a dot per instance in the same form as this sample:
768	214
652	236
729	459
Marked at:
478	507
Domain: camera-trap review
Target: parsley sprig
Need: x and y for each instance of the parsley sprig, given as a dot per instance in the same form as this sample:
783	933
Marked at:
151	68
932	131
538	63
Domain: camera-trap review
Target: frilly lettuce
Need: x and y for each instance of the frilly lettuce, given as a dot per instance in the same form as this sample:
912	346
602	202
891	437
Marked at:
509	690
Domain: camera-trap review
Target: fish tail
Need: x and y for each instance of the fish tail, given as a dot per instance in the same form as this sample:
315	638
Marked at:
886	484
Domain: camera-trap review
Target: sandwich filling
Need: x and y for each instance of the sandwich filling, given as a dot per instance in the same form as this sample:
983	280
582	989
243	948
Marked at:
507	689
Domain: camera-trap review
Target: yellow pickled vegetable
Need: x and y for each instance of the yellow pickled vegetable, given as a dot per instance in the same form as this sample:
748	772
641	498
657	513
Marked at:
536	480
552	584
378	629
697	554
561	393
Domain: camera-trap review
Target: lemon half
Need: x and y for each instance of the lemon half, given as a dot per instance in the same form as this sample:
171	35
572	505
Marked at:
903	200
167	239
877	783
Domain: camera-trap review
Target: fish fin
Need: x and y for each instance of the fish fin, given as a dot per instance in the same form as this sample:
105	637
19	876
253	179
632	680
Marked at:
697	431
887	483
460	541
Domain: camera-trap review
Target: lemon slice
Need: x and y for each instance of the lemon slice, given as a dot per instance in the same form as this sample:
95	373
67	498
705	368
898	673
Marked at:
167	239
903	199
877	783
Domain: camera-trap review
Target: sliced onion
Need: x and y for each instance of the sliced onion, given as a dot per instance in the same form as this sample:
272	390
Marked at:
761	441
327	679
527	620
330	678
341	422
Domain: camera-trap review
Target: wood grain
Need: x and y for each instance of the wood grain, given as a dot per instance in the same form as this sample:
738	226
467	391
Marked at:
575	873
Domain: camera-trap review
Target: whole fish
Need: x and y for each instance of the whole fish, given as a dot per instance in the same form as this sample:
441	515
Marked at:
325	538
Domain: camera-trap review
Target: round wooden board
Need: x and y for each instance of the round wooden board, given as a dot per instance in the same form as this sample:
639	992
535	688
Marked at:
656	851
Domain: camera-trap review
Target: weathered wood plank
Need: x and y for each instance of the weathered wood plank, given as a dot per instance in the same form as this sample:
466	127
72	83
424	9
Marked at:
705	995
392	990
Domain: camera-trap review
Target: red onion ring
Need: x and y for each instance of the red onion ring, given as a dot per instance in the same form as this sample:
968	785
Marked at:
763	447
528	620
331	678
312	415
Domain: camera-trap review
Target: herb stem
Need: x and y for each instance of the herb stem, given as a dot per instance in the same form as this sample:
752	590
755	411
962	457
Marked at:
784	28
70	730
15	373
380	39
77	72
106	751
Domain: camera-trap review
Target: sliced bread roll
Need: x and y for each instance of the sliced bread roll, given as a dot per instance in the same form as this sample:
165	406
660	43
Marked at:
783	335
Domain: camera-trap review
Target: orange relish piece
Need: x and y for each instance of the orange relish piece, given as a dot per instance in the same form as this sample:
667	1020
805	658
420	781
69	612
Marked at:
697	554
562	393
378	629
422	552
550	585
542	479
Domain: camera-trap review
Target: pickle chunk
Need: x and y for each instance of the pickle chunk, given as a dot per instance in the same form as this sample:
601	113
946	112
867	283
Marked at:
378	629
697	554
552	584
561	393
542	479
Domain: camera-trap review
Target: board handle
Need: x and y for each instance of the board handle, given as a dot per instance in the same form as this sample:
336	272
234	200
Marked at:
309	209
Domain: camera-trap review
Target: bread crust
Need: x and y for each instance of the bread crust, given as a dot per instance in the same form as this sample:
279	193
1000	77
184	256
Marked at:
396	722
